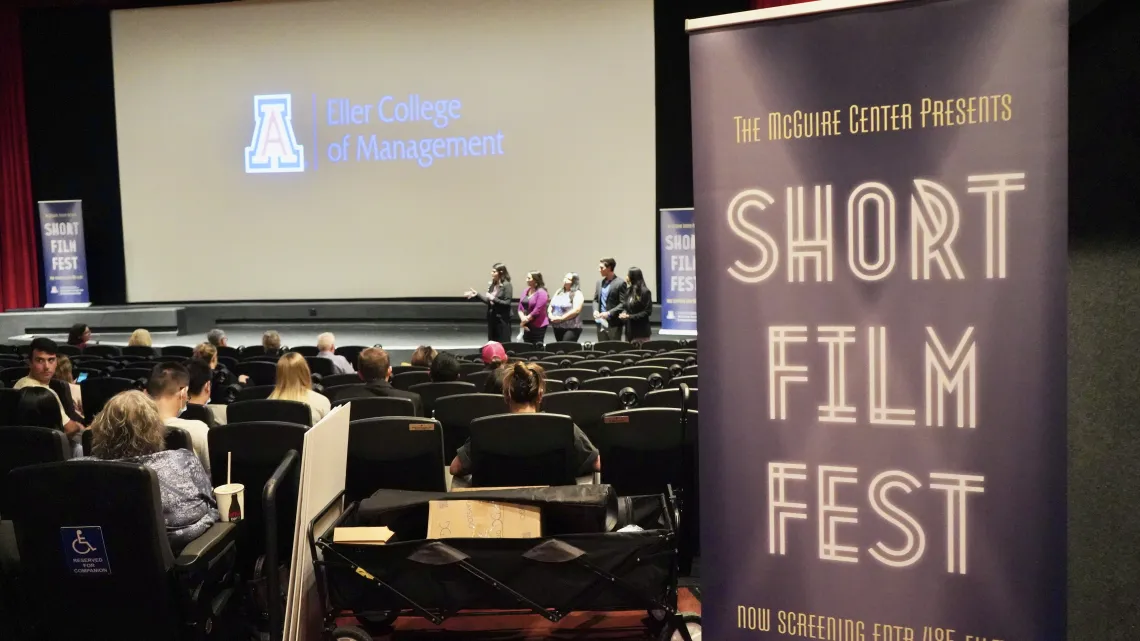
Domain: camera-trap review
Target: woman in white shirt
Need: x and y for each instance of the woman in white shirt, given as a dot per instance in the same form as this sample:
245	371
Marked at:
565	309
295	383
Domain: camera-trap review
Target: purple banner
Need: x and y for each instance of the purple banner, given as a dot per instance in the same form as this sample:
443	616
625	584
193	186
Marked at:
64	253
678	268
883	320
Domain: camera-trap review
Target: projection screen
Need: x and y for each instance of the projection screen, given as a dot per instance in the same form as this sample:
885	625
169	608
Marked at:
335	149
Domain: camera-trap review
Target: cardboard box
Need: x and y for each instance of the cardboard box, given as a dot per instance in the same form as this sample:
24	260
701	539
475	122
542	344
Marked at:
362	535
483	520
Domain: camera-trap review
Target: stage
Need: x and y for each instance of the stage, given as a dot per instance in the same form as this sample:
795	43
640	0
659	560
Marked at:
399	326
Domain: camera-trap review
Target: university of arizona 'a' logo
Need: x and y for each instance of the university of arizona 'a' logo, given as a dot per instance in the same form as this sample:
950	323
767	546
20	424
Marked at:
274	147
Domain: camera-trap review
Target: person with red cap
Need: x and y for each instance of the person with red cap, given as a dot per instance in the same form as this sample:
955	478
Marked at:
494	355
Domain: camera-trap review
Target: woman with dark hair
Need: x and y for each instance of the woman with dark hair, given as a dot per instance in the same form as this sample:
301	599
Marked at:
565	309
79	335
498	300
523	385
532	309
129	429
638	304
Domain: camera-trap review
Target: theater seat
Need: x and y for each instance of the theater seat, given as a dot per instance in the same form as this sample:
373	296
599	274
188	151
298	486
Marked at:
511	450
269	410
394	453
100	547
431	392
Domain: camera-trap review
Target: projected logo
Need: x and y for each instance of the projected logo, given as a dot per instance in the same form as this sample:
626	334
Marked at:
274	147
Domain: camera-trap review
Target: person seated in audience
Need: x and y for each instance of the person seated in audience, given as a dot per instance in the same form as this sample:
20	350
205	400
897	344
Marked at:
217	338
41	372
295	383
139	338
223	377
63	372
38	407
79	335
494	382
375	371
326	348
169	387
423	356
523	385
493	355
130	429
445	368
199	391
271	341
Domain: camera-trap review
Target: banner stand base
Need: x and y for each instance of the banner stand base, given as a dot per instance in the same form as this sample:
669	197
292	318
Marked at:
66	305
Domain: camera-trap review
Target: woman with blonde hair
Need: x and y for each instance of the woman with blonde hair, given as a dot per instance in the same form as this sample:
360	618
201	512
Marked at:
295	383
423	356
139	338
129	429
64	372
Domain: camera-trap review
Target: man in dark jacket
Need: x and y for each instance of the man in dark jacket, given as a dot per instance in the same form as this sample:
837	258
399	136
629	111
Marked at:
608	296
375	369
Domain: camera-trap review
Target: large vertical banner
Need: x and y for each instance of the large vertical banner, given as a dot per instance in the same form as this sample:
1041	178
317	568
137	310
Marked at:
882	271
677	237
64	254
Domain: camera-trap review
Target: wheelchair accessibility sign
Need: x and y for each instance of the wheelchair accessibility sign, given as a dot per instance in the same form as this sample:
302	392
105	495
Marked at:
84	551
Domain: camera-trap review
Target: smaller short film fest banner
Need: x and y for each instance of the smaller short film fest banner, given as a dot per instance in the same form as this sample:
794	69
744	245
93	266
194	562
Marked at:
64	254
678	269
882	273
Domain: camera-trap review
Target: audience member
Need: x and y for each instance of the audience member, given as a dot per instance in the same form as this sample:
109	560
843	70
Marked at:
523	385
41	372
423	356
494	382
169	387
375	371
637	306
498	300
79	335
139	338
38	407
445	368
532	309
223	378
609	295
326	348
63	372
493	355
565	309
130	429
217	338
271	341
200	388
295	383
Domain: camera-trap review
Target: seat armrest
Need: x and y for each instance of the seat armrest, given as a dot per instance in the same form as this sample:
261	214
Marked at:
461	482
587	479
201	553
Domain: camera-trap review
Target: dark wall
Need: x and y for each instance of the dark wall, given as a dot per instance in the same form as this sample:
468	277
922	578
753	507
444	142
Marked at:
71	122
1104	324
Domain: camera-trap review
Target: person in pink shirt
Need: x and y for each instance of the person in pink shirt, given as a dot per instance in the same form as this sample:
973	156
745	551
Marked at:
532	309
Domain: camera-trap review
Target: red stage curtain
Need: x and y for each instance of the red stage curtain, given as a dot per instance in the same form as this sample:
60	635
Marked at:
19	267
764	4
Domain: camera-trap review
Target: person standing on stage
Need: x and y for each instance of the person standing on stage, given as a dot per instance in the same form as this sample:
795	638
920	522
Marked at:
532	309
608	296
637	306
566	309
498	300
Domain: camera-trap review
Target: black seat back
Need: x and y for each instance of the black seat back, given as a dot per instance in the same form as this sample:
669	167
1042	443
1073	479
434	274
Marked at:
670	398
471	368
341	379
563	347
9	398
269	410
406	380
552	385
598	363
575	372
305	350
99	545
478	378
643	371
139	350
522	449
133	373
322	366
351	353
616	384
228	352
642	450
430	392
259	372
180	350
455	413
103	351
257	450
518	348
400	369
661	344
612	346
690	380
97	391
9	375
21	446
196	412
253	392
368	407
394	453
69	350
585	407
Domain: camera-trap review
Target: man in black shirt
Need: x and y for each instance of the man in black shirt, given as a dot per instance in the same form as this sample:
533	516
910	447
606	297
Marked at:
375	369
608	296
